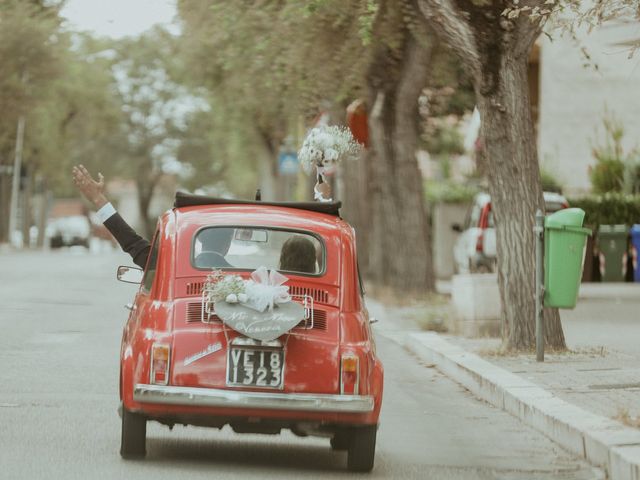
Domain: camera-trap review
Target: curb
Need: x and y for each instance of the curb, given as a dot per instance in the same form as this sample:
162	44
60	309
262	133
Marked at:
600	440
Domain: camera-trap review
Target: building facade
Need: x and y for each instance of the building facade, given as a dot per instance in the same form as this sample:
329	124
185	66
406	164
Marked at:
579	83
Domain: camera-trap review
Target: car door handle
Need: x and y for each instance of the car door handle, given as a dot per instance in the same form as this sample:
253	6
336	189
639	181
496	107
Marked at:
373	320
130	306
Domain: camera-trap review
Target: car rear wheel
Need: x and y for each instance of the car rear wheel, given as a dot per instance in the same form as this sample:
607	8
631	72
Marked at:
134	435
362	448
340	441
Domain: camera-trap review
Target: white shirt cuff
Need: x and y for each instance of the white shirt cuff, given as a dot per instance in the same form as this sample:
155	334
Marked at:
105	212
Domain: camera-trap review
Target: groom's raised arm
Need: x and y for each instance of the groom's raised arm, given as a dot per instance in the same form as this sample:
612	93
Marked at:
129	240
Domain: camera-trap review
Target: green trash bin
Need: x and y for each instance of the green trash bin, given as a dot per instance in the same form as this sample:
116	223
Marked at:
612	244
564	249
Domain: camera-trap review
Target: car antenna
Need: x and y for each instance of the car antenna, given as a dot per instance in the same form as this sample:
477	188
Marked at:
258	195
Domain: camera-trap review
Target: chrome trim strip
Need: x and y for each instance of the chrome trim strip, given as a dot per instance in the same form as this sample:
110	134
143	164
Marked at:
212	397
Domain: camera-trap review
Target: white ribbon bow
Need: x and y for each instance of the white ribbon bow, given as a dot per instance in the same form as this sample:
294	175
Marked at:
265	290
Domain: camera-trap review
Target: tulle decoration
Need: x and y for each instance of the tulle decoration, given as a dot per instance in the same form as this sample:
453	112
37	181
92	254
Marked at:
265	290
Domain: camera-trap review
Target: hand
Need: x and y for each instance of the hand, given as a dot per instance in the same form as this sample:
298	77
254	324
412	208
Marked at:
88	187
324	189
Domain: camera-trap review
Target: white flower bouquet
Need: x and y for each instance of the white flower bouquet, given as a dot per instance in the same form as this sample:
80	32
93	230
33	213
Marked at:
220	287
325	147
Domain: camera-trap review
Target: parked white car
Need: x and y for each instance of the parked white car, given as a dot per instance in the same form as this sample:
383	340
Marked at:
69	231
475	248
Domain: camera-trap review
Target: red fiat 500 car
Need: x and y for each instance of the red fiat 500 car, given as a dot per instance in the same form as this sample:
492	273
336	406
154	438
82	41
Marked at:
182	364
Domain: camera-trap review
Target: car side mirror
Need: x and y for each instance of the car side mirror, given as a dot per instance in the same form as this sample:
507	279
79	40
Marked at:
456	227
129	274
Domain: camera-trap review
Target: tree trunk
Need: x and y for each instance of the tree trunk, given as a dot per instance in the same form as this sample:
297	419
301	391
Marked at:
27	208
356	204
272	185
384	221
409	184
5	200
268	181
400	247
495	49
514	185
44	199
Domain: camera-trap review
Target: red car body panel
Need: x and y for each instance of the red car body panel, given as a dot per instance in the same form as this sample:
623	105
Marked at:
169	313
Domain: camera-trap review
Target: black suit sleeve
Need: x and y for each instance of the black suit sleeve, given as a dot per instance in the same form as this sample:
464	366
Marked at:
129	240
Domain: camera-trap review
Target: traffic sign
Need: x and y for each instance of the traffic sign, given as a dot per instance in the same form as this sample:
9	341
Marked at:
288	163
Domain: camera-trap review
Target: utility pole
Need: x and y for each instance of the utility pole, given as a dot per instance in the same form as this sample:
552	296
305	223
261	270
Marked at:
15	184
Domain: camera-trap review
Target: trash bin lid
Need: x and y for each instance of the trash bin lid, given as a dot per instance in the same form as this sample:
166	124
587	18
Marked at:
613	229
635	229
572	217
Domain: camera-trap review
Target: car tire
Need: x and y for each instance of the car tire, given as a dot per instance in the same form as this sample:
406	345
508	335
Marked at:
362	448
134	435
340	441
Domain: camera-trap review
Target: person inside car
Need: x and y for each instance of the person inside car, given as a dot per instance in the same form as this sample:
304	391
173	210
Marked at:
215	245
215	242
298	255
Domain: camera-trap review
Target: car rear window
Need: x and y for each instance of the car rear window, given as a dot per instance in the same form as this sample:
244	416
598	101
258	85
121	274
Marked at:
247	248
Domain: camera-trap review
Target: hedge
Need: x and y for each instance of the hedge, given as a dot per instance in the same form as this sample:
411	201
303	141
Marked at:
446	191
609	209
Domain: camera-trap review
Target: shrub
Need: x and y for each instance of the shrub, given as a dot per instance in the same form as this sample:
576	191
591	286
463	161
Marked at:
549	182
607	175
615	170
442	137
449	192
632	178
609	209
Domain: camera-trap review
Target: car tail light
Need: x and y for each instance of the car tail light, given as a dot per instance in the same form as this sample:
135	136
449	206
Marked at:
480	243
349	374
160	364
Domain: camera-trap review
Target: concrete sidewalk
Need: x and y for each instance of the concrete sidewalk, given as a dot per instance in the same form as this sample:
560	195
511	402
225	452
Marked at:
587	400
587	290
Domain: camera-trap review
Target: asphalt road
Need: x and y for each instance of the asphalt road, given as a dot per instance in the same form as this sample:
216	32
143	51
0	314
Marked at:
61	316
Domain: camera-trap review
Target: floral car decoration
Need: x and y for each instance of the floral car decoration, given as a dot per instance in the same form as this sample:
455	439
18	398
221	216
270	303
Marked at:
252	315
259	308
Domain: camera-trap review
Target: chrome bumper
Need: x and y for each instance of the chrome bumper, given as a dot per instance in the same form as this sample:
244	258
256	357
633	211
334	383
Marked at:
211	397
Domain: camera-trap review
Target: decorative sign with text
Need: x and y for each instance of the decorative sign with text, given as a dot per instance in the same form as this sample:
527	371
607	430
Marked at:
263	326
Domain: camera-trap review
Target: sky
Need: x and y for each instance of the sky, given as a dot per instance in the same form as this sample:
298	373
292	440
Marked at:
118	18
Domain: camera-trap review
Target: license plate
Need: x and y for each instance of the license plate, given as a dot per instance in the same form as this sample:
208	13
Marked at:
255	367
